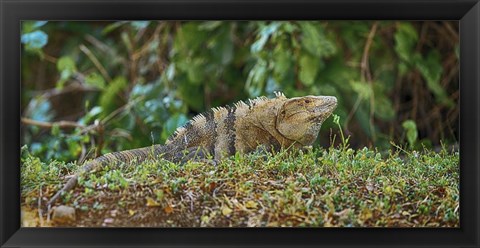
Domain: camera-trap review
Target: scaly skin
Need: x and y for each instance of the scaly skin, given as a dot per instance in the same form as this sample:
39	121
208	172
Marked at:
274	123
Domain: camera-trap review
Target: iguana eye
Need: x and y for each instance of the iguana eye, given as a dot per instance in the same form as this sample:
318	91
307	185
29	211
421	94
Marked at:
307	101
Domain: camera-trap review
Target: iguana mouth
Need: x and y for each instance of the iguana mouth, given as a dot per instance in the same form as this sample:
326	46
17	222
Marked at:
330	102
324	111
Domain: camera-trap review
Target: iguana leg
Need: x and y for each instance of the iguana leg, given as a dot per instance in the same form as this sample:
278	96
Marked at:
197	154
264	150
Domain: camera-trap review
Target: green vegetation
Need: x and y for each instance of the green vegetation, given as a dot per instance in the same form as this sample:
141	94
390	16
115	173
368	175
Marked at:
124	85
315	187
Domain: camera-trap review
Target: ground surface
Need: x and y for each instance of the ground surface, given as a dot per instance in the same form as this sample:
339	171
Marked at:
332	187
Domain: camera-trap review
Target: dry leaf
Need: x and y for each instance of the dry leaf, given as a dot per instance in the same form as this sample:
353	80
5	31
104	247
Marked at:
157	180
168	209
251	204
226	211
405	213
151	202
366	214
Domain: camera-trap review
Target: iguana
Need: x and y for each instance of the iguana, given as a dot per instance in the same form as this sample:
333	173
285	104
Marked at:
274	123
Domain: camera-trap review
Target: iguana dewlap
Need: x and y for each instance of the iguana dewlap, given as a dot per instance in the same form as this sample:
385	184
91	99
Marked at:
274	123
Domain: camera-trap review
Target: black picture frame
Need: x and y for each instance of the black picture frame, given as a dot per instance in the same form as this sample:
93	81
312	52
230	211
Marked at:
13	11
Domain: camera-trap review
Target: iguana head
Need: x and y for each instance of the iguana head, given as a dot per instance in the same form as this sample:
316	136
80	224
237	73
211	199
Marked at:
300	118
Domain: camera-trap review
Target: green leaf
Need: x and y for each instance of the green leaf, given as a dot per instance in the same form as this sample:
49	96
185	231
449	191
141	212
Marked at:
210	25
363	89
256	79
196	71
95	111
223	48
402	68
127	41
55	130
189	38
74	144
109	96
112	27
431	70
315	41
66	67
405	41
412	133
309	67
384	108
96	80
263	36
282	62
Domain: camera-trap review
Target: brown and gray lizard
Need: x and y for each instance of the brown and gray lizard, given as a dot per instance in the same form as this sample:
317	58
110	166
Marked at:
274	123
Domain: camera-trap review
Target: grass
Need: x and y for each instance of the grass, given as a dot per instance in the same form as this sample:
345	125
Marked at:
318	187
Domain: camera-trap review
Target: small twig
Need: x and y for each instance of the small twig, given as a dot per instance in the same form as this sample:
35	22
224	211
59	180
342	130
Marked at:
445	32
100	45
49	58
81	158
137	54
365	67
423	35
451	30
190	196
73	87
139	34
95	61
61	124
366	74
119	110
40	214
453	72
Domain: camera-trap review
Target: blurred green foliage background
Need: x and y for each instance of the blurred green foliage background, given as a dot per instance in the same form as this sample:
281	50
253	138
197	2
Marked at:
93	87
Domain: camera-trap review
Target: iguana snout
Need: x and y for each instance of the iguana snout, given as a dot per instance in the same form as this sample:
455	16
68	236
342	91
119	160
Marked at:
324	107
300	118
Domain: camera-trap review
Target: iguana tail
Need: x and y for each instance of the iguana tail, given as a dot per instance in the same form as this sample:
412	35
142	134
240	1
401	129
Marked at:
138	155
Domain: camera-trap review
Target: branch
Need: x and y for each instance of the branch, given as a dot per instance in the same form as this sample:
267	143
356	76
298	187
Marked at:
73	87
95	61
364	64
366	74
61	124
